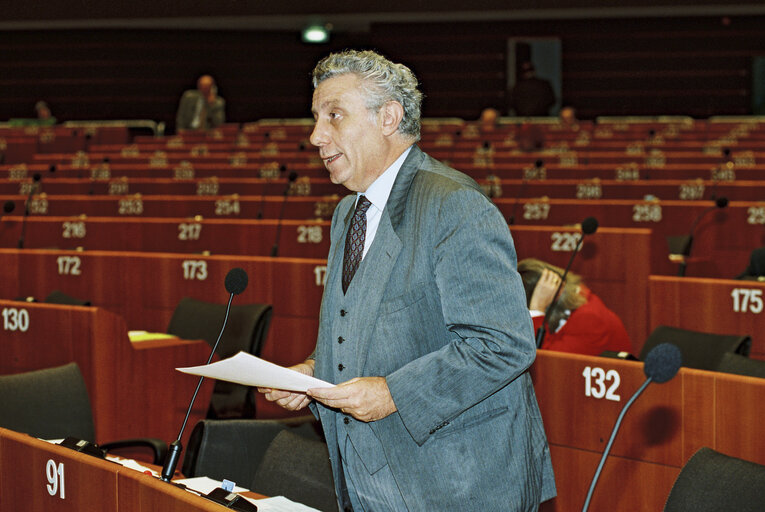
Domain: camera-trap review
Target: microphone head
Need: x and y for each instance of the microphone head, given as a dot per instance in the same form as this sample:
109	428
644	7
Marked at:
721	202
9	206
589	225
293	176
236	281
36	177
663	362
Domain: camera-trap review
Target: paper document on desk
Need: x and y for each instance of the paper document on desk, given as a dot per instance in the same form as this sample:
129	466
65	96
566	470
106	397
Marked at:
246	369
280	504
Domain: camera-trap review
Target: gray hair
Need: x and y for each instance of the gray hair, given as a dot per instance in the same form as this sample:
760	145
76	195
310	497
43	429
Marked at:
383	81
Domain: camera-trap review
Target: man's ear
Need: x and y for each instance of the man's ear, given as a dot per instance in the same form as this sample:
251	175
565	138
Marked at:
391	115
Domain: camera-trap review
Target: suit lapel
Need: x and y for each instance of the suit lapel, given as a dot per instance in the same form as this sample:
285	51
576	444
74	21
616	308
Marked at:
383	254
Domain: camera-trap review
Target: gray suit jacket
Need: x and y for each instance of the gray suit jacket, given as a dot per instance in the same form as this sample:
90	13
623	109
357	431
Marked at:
438	308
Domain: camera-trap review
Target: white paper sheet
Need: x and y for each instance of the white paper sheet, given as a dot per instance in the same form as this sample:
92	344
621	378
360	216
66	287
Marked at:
244	368
280	504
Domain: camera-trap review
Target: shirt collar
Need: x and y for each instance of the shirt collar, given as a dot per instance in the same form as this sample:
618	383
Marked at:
379	190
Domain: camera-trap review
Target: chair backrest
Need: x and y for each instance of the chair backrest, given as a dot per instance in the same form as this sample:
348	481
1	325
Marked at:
246	331
59	297
246	328
49	404
233	449
700	350
299	469
711	481
740	365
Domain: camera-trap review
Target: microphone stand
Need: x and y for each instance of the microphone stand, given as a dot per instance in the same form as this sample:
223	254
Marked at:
589	226
720	203
275	247
611	442
543	328
176	447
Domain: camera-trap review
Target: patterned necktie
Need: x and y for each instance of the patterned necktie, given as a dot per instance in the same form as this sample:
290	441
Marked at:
354	241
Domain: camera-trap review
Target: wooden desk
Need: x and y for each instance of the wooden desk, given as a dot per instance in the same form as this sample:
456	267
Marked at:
720	306
134	388
196	186
297	238
722	240
723	237
231	207
144	288
660	432
37	476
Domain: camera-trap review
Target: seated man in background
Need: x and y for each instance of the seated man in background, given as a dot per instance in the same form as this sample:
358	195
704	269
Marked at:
201	108
579	321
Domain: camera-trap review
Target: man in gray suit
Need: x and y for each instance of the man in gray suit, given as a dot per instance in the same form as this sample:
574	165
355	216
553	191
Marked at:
428	337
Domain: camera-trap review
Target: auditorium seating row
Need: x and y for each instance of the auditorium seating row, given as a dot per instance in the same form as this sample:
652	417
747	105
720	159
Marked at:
495	187
557	167
307	154
499	142
145	287
19	145
723	238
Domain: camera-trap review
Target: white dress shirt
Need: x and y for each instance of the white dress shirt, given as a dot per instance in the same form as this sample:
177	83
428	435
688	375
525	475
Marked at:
378	193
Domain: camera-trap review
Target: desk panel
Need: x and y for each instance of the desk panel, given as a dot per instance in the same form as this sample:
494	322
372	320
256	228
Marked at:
170	186
666	425
80	482
226	207
720	306
144	288
134	388
723	238
304	239
36	476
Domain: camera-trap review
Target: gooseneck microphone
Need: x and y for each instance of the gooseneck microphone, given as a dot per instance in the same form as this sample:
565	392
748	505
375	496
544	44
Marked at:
236	282
687	241
589	226
661	365
32	191
259	215
275	248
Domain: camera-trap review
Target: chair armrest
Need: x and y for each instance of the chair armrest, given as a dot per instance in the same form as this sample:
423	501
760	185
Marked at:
158	447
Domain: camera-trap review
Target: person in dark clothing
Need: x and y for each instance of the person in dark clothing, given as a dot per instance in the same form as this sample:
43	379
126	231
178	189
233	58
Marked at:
531	95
